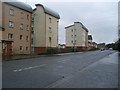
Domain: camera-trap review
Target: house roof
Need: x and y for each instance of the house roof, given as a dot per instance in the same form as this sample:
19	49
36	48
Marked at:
89	37
79	23
49	11
69	26
21	5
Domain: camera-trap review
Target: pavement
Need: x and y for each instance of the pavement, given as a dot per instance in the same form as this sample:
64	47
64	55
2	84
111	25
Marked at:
94	69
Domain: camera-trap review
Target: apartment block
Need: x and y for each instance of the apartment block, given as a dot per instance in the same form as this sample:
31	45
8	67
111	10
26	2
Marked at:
77	36
90	44
16	28
44	29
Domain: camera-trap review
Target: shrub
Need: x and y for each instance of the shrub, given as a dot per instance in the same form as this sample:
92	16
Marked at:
51	50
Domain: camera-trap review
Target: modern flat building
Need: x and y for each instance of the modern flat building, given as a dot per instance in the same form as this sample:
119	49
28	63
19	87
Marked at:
44	29
101	45
90	44
77	36
16	28
94	44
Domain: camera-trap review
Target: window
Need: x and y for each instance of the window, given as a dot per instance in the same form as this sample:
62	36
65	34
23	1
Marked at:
50	20
72	30
27	38
21	37
75	41
27	17
75	36
32	28
50	39
27	27
11	12
21	15
72	41
21	48
10	36
11	24
72	36
32	32
32	42
50	31
26	48
21	26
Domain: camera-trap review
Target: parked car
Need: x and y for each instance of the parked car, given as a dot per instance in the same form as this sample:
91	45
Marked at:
102	49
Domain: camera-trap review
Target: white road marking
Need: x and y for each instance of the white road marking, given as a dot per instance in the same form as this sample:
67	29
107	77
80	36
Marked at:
64	60
20	70
28	68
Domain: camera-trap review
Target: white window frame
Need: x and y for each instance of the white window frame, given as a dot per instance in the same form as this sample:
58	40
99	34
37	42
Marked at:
11	12
11	24
10	36
21	26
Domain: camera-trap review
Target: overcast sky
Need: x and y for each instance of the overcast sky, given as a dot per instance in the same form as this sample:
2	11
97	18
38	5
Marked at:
101	18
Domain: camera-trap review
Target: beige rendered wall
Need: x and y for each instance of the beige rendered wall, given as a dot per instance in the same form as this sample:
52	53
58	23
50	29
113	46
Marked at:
80	33
0	42
86	39
16	30
54	31
39	27
69	37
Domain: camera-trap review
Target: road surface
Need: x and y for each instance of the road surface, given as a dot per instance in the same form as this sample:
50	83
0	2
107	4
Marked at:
92	69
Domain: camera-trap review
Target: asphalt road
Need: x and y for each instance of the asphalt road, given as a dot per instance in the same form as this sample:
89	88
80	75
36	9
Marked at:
73	70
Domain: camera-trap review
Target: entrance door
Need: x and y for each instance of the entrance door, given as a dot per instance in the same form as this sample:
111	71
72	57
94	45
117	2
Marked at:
9	49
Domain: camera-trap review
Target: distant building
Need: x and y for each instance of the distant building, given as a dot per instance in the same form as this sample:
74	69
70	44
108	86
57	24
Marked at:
94	44
44	28
101	45
16	28
77	36
90	44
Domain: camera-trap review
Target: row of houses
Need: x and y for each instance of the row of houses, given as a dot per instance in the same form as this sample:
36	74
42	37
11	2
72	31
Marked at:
24	30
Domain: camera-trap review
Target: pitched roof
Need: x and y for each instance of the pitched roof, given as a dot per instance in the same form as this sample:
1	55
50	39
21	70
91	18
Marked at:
79	23
21	5
49	11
